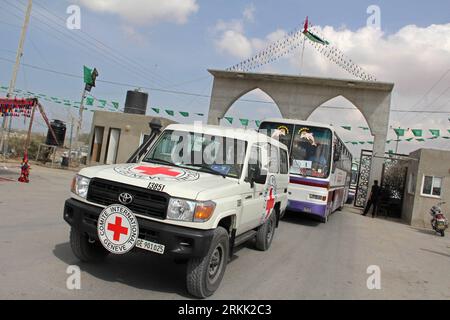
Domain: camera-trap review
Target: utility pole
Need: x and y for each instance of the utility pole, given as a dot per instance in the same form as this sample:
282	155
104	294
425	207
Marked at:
80	119
6	125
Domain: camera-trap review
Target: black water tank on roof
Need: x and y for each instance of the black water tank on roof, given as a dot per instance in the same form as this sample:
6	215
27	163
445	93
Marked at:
59	128
136	102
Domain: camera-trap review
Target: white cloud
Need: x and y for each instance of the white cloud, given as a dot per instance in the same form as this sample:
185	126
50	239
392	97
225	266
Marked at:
249	12
145	12
413	58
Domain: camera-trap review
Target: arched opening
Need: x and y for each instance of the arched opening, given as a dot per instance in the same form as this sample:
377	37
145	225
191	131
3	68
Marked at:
348	121
250	109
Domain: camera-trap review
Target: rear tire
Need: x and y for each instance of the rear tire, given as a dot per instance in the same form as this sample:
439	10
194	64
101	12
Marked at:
84	249
442	233
265	233
203	275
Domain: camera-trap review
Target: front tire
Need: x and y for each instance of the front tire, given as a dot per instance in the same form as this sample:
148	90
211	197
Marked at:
85	249
204	274
265	233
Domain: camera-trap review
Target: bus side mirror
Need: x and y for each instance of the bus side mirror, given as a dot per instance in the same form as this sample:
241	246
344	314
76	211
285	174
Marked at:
337	156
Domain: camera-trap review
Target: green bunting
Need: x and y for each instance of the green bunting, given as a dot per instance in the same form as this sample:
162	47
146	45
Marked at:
257	122
115	104
244	122
184	114
417	132
156	110
364	128
399	132
347	128
89	101
435	132
102	103
409	139
170	112
229	119
420	140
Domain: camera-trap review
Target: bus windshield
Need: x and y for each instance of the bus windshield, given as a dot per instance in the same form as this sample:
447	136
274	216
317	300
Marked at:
311	151
309	147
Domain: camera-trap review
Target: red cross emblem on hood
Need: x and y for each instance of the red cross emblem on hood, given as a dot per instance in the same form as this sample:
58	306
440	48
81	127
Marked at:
151	171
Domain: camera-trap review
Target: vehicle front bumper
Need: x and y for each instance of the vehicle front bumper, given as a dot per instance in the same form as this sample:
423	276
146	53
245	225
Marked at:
179	242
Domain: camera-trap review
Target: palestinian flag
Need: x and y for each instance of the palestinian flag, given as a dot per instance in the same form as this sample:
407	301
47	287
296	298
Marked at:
311	36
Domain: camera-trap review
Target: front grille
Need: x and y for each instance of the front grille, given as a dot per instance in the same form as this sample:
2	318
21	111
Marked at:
145	202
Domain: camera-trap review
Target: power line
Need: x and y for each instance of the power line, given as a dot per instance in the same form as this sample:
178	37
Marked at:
186	93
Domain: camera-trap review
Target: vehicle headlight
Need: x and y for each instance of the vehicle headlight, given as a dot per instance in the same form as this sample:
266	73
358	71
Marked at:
187	210
80	186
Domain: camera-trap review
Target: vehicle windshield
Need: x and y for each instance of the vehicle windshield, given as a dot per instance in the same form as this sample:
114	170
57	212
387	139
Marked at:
202	152
311	151
309	147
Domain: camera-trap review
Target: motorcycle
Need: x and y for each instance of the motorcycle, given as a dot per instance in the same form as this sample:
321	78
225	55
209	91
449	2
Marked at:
439	221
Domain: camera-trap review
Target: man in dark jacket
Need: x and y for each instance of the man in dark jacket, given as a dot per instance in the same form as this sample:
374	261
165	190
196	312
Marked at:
373	199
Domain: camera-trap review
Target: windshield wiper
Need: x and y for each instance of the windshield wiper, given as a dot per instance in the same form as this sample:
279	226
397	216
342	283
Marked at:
205	168
161	161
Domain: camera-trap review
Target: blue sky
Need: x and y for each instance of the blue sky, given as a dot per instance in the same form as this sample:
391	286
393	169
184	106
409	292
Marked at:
174	52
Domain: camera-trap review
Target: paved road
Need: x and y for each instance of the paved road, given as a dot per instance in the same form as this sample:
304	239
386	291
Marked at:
307	260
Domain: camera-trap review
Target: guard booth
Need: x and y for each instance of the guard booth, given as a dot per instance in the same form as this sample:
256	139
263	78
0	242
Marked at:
393	182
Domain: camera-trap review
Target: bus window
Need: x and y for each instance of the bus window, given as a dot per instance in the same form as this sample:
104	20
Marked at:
280	131
311	151
284	168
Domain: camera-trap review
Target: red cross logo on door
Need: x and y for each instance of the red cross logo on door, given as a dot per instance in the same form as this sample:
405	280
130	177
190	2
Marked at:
117	228
151	171
270	202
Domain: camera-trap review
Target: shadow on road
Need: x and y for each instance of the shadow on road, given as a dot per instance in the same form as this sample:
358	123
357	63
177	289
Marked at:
436	252
425	231
300	218
135	269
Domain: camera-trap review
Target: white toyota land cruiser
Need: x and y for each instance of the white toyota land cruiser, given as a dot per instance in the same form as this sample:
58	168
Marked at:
198	192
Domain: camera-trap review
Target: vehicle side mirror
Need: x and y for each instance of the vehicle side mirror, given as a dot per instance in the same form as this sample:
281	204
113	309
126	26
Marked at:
255	175
261	177
336	156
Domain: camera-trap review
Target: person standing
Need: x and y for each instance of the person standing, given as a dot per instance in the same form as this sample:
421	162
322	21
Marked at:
373	199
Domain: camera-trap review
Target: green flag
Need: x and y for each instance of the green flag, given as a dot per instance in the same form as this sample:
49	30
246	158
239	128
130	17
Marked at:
370	142
87	75
184	113
115	104
349	128
89	101
229	119
435	132
257	122
361	142
445	137
409	139
417	132
156	110
364	128
170	112
354	142
314	38
420	140
244	122
388	141
200	114
102	102
399	132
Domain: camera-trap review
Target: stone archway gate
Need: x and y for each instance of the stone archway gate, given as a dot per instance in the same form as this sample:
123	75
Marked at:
297	97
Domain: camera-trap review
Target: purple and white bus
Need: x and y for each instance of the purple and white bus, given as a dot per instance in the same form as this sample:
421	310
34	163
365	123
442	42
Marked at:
320	165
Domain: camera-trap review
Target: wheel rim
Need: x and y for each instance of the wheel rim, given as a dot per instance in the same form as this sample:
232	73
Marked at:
270	228
215	263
